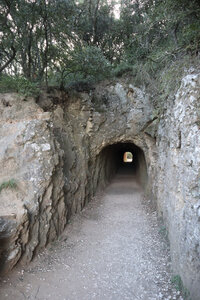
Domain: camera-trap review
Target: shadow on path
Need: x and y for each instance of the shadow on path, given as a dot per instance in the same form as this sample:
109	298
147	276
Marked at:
111	250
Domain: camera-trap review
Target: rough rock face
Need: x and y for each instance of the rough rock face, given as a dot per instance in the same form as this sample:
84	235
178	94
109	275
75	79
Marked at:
52	183
87	123
60	153
177	180
33	213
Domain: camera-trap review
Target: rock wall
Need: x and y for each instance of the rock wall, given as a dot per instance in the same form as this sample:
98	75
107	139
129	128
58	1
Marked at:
86	124
61	151
56	153
32	213
177	181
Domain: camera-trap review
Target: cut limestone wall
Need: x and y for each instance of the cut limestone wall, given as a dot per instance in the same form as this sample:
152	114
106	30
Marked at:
177	180
32	213
85	124
63	149
53	151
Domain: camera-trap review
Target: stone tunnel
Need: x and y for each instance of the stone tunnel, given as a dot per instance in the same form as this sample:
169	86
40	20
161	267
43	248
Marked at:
111	161
60	153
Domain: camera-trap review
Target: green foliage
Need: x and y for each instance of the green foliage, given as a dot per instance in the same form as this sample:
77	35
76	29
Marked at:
84	65
26	87
129	155
163	231
178	283
122	69
58	42
89	62
169	77
7	84
157	33
11	184
82	85
18	84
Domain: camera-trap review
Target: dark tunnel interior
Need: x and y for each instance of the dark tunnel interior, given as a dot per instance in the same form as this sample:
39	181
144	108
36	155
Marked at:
111	161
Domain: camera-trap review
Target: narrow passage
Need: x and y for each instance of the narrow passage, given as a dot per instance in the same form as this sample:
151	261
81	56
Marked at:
111	250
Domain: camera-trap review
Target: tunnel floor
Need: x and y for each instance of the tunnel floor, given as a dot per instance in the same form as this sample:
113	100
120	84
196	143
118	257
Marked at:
111	250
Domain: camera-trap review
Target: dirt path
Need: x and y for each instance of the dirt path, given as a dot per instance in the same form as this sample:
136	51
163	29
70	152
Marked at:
112	250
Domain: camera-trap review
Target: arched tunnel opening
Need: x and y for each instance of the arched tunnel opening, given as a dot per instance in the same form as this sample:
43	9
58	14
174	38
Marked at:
124	158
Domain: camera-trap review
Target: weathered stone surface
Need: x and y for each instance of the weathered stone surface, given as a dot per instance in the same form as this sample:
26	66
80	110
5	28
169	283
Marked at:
177	180
34	212
58	153
85	124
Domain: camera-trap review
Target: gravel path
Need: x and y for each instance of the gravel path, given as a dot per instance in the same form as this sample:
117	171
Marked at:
111	250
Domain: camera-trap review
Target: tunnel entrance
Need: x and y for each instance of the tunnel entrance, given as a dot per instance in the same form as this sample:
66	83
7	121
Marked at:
126	158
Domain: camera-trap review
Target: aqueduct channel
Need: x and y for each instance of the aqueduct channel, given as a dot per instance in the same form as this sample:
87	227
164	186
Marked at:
63	149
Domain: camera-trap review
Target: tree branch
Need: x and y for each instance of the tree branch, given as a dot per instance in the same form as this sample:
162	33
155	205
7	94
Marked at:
12	57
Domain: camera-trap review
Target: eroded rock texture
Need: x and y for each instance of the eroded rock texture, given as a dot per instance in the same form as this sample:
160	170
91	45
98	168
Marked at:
63	149
33	213
177	180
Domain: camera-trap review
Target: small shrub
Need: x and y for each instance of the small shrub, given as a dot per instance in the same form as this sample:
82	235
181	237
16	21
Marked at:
10	184
163	231
178	283
26	87
80	86
122	69
7	84
89	63
18	84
